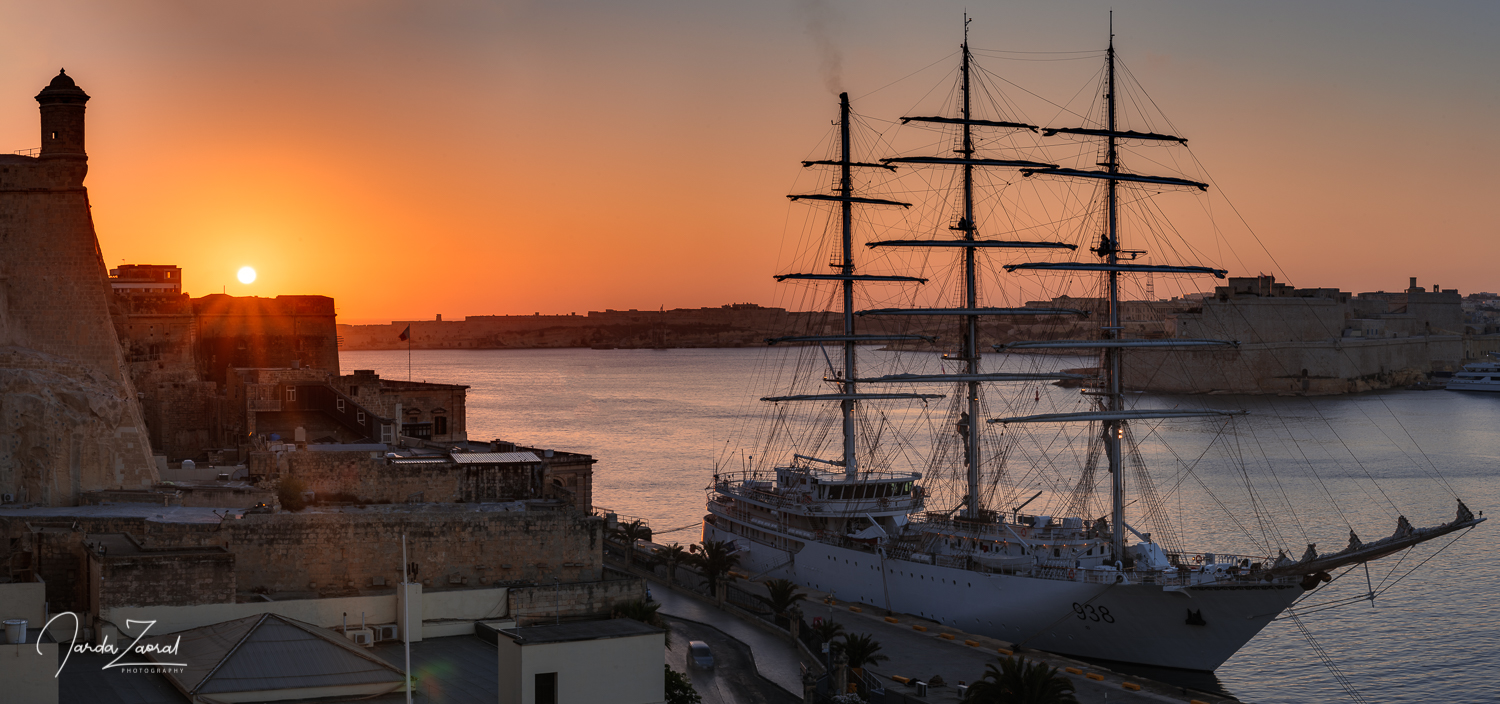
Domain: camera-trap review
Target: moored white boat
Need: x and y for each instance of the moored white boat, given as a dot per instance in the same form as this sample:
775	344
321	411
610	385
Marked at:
1477	376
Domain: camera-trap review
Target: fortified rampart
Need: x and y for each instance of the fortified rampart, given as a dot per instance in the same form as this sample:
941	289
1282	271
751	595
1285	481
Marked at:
369	477
1305	341
341	551
330	552
69	419
122	572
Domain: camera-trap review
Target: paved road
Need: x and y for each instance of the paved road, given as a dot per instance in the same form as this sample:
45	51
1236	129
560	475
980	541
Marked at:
775	659
912	653
923	655
733	679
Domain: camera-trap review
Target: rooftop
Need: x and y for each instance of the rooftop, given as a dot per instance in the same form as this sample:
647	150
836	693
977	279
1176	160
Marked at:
583	630
495	457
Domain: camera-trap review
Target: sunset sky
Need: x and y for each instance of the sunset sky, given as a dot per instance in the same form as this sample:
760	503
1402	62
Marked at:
467	157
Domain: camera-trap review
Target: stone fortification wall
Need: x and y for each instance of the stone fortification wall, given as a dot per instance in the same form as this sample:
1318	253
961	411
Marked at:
164	579
69	418
66	428
367	477
329	552
1252	320
336	552
362	476
1324	367
544	603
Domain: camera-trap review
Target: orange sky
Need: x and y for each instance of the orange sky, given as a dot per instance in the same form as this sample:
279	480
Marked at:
480	157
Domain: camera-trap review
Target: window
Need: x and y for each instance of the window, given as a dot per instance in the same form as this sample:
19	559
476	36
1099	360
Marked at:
360	418
440	425
354	391
340	403
291	393
54	135
546	688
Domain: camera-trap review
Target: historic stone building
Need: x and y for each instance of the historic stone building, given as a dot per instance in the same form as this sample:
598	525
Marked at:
69	420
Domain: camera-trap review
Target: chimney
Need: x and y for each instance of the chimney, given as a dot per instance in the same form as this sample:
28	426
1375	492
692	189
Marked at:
1413	286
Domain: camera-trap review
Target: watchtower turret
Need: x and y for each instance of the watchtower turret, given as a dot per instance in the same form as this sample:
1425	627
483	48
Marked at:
62	104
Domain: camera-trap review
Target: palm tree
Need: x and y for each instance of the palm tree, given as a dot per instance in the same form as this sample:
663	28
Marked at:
1017	682
715	558
646	612
827	629
783	595
674	555
861	650
631	532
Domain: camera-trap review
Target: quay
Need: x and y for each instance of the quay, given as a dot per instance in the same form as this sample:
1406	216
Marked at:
919	649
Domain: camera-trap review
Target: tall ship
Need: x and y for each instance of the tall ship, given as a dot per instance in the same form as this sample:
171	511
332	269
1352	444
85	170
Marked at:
829	504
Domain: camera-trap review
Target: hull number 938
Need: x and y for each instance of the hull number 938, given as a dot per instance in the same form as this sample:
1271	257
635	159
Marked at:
1089	612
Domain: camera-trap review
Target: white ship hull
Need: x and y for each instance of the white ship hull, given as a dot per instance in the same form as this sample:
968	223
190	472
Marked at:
1474	386
1482	376
1145	624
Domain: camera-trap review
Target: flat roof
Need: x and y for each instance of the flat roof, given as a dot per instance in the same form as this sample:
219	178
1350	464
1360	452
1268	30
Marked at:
582	630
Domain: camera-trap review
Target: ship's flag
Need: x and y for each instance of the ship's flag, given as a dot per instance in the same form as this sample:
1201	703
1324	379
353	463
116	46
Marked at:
406	334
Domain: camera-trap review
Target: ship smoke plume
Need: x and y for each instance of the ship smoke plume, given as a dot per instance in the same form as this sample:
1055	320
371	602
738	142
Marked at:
818	16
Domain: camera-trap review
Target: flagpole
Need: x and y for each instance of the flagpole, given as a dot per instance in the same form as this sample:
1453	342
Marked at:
406	613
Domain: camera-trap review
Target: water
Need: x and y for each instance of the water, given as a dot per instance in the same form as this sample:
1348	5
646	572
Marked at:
657	421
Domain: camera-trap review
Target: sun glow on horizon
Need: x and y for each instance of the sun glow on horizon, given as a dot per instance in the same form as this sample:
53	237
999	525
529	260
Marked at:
247	275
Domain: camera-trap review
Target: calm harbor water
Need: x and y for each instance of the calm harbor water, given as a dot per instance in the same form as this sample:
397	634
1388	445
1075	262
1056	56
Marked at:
658	420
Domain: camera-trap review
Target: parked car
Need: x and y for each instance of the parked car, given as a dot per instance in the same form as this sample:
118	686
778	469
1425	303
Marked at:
699	655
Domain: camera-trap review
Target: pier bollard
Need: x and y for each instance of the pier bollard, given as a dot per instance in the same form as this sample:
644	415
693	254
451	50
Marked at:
946	636
1095	676
1072	670
888	619
1131	686
972	643
919	628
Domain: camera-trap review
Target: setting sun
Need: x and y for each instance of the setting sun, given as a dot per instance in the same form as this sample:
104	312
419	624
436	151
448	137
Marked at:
247	275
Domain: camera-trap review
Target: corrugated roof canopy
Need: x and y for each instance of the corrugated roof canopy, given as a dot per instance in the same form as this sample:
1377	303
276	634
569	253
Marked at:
495	457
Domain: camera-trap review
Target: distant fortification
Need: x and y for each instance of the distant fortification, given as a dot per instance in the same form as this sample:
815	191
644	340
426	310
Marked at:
69	418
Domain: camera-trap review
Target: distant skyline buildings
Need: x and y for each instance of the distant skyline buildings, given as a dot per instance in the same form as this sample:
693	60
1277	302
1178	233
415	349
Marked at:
474	158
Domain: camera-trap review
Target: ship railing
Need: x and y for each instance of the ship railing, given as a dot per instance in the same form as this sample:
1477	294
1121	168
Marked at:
806	502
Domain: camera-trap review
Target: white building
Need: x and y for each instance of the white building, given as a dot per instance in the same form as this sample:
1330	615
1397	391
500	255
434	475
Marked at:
620	661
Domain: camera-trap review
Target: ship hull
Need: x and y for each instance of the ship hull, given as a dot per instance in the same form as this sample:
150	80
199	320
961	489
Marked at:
1190	628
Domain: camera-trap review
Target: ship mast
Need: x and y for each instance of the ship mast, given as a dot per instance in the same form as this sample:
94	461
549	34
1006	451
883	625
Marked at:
968	309
971	300
1109	248
1111	412
848	394
846	188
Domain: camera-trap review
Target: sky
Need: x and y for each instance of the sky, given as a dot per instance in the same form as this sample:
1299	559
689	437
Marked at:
468	157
